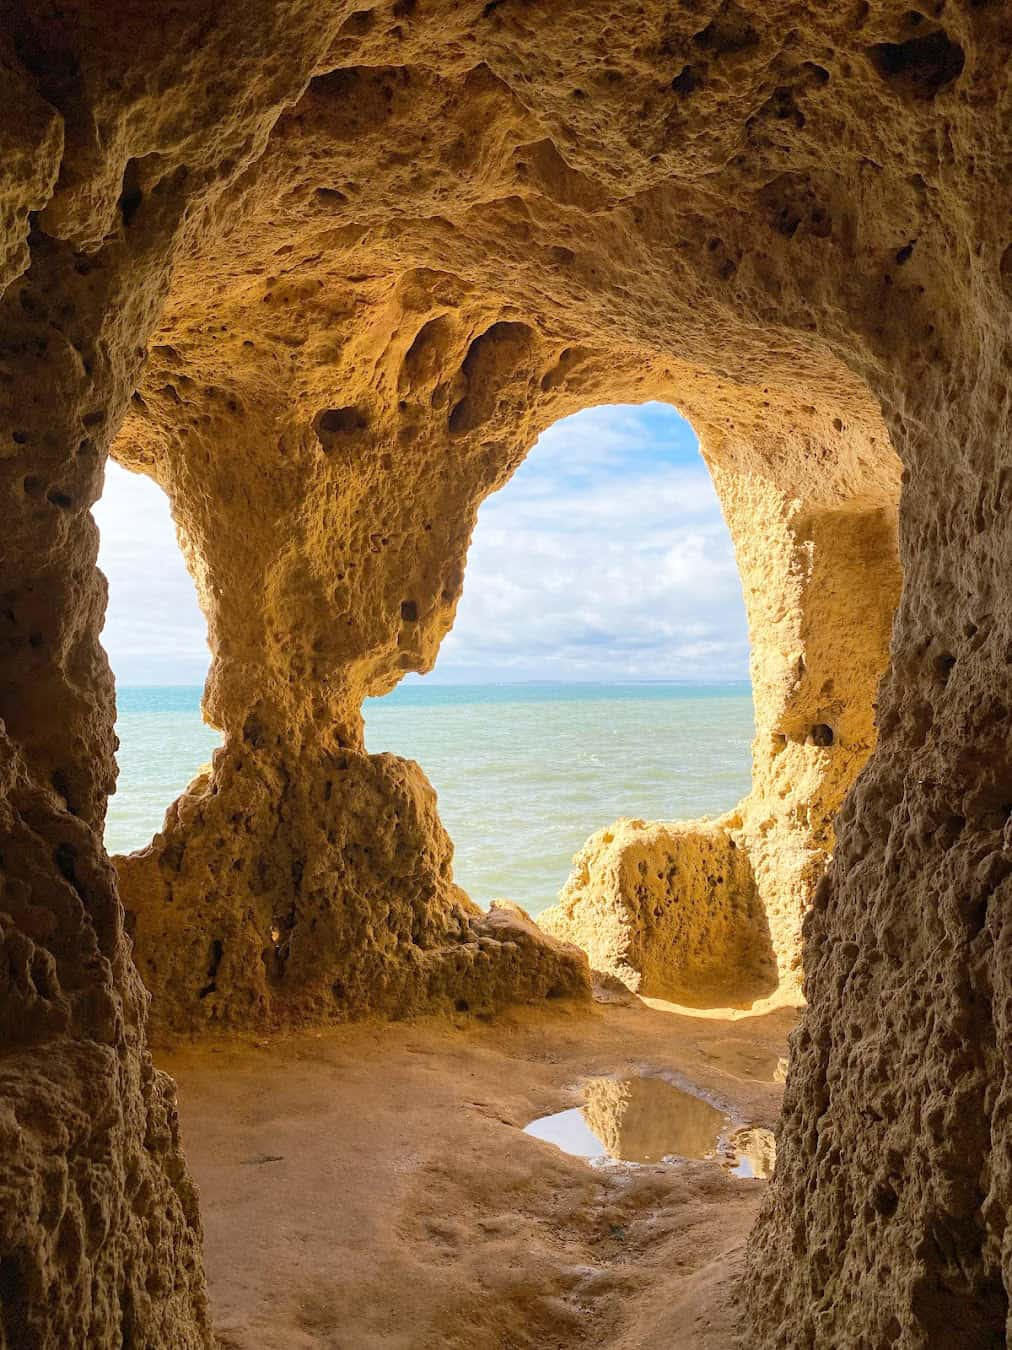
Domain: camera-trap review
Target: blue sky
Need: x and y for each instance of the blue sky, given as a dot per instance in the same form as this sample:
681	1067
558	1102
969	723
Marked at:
604	558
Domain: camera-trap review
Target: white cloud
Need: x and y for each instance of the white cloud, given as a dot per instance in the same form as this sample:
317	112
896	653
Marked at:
154	631
606	557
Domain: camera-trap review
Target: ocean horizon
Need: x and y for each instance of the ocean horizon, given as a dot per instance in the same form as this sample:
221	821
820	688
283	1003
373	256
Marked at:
524	770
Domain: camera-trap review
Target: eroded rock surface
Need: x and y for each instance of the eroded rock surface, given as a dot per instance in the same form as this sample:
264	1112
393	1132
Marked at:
335	899
375	389
356	260
671	911
99	1231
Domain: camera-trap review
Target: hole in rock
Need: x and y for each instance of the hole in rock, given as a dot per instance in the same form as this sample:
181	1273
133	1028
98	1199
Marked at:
821	734
340	422
687	81
1004	272
647	1120
598	662
920	67
943	665
131	195
489	360
155	638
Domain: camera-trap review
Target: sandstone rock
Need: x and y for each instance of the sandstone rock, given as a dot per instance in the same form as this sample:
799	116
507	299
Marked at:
99	1230
672	911
271	898
342	267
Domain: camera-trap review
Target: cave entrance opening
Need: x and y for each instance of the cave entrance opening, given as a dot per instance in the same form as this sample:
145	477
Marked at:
598	666
155	639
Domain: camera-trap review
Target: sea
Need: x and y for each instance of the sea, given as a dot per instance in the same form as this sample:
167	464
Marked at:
524	772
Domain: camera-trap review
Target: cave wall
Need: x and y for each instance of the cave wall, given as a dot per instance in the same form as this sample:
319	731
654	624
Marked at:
99	1227
325	274
99	1230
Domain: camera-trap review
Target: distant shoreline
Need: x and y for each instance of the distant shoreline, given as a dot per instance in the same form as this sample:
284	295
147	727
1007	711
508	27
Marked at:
701	682
185	699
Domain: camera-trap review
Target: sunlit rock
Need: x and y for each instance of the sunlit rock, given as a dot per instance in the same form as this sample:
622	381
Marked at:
326	276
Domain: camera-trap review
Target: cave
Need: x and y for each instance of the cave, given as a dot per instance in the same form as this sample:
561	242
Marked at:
324	275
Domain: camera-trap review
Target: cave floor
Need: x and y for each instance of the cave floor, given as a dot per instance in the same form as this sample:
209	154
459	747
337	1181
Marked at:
370	1186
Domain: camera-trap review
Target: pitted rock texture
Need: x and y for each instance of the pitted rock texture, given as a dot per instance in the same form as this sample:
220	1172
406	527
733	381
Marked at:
356	260
100	1241
335	899
378	427
99	1229
671	911
383	383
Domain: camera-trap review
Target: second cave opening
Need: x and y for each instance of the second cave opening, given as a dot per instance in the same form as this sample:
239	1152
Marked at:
598	664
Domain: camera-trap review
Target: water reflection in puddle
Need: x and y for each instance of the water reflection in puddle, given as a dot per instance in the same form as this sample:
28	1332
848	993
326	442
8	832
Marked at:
755	1153
569	1131
648	1120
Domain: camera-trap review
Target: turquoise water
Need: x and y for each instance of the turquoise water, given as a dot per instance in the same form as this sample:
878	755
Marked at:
524	772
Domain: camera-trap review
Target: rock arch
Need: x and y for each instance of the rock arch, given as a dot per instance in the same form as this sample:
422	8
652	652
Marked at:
325	274
336	567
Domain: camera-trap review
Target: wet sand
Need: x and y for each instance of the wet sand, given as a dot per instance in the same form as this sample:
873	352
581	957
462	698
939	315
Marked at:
371	1186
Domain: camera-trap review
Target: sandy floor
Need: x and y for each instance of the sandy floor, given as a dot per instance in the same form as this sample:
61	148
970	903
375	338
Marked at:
370	1186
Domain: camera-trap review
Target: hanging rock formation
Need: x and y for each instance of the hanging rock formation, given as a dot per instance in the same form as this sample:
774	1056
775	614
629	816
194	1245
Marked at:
325	274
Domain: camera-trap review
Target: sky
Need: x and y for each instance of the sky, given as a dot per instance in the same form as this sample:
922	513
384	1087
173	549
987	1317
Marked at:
605	557
154	630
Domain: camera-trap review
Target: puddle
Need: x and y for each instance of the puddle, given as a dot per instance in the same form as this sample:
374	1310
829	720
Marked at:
755	1152
649	1120
639	1120
745	1059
